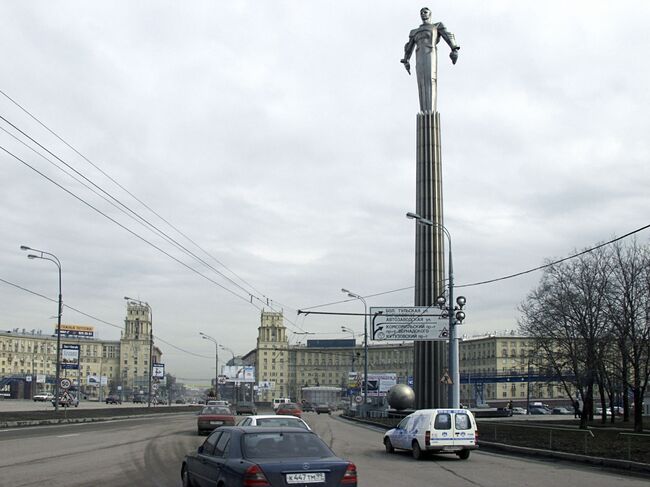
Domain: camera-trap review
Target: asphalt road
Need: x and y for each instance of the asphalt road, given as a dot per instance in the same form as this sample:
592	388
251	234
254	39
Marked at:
148	452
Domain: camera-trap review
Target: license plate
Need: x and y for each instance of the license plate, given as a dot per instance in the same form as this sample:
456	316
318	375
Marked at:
216	422
305	478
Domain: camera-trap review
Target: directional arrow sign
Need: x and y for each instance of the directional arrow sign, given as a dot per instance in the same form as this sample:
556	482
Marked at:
409	323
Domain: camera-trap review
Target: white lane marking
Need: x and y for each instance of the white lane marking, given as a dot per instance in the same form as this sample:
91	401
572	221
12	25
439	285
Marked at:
69	435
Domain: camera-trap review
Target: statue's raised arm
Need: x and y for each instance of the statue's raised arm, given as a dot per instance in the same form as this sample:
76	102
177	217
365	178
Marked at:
424	40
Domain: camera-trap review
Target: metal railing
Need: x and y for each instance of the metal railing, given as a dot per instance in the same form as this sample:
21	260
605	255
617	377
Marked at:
630	437
508	437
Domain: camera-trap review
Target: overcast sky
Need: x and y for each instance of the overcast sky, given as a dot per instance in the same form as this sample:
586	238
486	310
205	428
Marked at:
280	137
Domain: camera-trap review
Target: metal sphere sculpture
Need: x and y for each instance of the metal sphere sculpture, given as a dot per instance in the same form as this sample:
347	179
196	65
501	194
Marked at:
401	396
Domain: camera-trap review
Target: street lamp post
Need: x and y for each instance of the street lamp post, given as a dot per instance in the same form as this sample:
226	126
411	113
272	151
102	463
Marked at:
57	262
235	386
216	362
150	343
455	314
365	346
354	355
354	337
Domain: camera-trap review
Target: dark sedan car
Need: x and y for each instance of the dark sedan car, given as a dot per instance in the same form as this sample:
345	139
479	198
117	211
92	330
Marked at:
245	408
113	400
323	408
212	417
271	457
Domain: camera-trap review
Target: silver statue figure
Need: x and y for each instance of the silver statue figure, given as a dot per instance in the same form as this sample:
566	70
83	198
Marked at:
425	38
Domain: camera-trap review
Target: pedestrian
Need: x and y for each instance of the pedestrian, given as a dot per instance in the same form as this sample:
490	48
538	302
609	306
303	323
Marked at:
576	409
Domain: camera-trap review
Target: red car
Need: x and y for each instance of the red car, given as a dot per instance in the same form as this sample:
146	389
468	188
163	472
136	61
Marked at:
212	417
289	409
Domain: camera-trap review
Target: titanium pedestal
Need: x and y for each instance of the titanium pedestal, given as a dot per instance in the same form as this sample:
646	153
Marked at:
429	356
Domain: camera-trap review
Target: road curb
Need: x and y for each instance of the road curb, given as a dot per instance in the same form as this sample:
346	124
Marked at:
46	422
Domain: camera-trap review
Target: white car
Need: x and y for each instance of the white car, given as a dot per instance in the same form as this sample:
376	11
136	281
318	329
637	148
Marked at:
43	397
435	431
272	421
224	404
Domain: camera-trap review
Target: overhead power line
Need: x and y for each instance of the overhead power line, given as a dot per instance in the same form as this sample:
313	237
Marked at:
114	181
125	227
99	320
490	281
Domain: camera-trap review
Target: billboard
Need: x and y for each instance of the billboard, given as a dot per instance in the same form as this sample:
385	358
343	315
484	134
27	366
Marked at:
69	356
378	384
96	381
409	323
266	385
76	331
158	371
238	373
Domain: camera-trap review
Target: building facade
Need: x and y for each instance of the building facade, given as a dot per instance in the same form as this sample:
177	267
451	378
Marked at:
495	369
28	360
501	368
283	370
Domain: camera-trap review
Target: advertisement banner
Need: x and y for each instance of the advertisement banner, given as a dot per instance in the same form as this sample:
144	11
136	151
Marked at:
96	380
238	373
69	356
266	385
158	371
75	331
378	384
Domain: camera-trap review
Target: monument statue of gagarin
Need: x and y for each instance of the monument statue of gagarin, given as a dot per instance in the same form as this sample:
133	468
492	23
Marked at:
425	38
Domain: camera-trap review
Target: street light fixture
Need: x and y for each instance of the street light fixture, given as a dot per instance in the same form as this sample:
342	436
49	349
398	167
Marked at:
365	345
150	342
216	362
53	258
455	314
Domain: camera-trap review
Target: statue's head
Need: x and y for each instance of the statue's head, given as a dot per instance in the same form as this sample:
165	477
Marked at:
425	15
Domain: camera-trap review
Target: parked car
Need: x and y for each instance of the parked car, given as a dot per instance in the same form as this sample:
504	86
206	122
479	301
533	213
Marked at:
274	421
436	431
273	456
245	408
139	399
66	403
538	410
290	408
212	417
43	397
561	410
518	410
112	399
323	408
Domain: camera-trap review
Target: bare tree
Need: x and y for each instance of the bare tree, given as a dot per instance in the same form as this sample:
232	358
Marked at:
628	310
566	317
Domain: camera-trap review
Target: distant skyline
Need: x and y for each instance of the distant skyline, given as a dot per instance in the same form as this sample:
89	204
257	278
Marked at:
280	137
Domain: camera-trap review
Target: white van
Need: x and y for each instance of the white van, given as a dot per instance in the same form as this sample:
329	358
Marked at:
280	400
435	431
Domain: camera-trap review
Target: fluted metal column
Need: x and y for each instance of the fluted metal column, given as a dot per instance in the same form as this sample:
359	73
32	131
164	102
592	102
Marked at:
429	356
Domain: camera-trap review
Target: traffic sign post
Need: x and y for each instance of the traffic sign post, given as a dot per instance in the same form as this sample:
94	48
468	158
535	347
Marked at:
409	323
65	384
